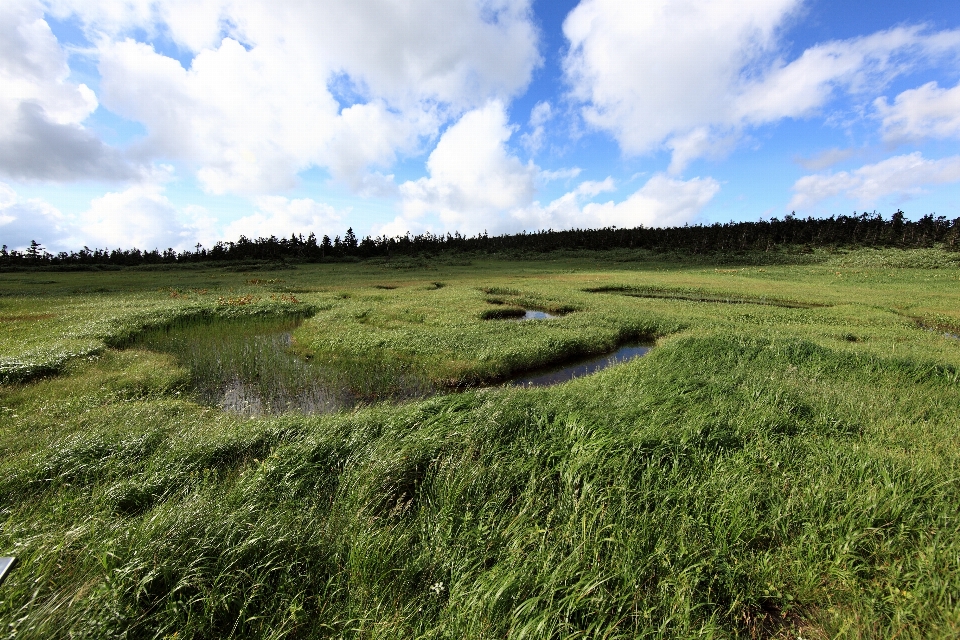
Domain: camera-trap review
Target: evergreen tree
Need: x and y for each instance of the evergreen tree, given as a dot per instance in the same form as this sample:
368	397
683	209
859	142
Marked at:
35	250
350	240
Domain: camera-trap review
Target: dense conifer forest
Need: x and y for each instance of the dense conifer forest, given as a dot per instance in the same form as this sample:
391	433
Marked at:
857	230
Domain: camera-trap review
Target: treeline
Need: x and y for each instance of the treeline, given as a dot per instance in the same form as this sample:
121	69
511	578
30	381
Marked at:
863	230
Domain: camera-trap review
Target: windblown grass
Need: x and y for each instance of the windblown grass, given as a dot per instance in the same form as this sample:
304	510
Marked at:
758	475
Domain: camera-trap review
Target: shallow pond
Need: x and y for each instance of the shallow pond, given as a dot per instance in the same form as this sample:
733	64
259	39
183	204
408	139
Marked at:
248	366
532	314
515	314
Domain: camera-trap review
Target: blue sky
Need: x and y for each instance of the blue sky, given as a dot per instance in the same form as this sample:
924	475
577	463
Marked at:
162	124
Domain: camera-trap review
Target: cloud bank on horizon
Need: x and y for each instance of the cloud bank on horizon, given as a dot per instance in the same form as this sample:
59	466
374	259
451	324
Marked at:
154	124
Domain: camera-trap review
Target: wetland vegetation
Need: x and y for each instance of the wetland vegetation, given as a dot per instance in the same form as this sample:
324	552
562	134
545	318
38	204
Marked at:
250	365
784	464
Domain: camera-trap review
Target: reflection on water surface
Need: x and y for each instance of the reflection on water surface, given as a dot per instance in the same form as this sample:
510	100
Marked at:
578	369
247	366
531	314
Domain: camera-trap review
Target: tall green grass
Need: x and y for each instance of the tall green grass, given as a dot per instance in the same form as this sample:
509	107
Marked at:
675	496
758	475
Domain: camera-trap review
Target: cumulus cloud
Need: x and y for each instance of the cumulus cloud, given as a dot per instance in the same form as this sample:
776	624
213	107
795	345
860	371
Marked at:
234	114
472	175
190	24
902	175
651	70
456	51
859	65
476	184
692	75
262	98
698	143
279	216
34	67
41	110
26	219
137	217
661	202
140	216
34	148
245	122
143	217
924	112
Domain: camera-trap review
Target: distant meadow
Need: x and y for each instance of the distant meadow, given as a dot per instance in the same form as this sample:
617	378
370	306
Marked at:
363	448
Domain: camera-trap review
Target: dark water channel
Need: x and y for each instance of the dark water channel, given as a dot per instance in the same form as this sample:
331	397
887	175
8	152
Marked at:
556	375
248	366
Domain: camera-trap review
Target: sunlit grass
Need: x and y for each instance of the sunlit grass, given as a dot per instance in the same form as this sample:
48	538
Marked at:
759	474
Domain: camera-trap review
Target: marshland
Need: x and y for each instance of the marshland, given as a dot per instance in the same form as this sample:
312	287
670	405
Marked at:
350	449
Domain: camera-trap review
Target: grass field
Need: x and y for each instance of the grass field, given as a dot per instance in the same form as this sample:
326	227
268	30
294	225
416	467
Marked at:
785	463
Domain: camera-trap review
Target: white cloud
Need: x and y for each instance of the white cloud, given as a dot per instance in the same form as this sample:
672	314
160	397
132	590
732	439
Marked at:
692	75
41	109
23	220
698	143
279	216
261	99
235	114
902	175
473	177
541	113
860	65
191	24
651	70
559	174
924	112
591	188
824	159
34	69
143	217
476	185
661	202
456	51
248	121
138	217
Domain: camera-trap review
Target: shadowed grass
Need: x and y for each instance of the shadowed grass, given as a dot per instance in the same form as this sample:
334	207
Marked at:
701	296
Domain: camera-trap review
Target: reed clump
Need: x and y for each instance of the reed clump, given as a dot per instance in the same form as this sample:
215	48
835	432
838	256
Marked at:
250	365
